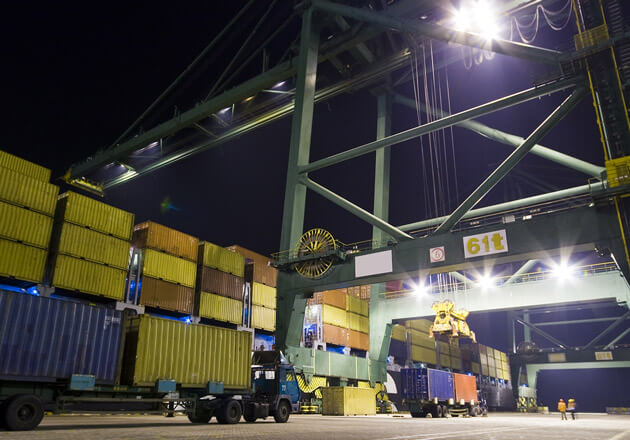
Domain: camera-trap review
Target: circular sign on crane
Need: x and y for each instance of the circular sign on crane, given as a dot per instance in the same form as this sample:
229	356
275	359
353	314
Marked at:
437	254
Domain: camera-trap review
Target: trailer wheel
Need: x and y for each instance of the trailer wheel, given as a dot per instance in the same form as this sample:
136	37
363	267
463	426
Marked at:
416	414
282	412
445	411
249	413
23	412
438	411
230	412
200	416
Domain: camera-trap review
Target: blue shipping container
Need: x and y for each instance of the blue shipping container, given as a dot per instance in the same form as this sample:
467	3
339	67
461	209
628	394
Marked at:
426	384
46	339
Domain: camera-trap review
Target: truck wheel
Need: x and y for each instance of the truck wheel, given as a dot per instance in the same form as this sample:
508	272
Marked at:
438	411
445	411
230	412
23	412
416	414
200	416
249	413
282	412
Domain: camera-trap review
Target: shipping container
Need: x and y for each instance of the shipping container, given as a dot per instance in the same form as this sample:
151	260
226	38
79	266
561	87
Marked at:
360	341
22	262
85	211
216	257
362	292
332	334
421	339
399	333
334	316
353	321
22	190
365	307
465	387
422	325
426	384
220	283
25	226
263	318
353	304
422	354
336	298
456	363
25	167
46	339
155	236
476	367
444	347
87	244
220	308
263	295
167	296
263	272
348	401
169	268
445	360
190	354
84	276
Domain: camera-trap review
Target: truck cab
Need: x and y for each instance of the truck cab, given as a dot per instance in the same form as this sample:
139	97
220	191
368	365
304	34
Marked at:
275	389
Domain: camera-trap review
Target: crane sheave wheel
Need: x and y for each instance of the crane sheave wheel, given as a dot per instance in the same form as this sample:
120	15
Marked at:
315	241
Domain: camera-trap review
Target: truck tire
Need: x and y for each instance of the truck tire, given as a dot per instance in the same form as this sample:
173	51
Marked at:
249	413
445	411
230	412
200	416
282	412
22	412
437	412
416	414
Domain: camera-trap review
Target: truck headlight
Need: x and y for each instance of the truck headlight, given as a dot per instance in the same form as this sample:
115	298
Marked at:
451	401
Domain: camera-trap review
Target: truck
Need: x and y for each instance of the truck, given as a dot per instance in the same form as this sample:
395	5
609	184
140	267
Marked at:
68	356
435	393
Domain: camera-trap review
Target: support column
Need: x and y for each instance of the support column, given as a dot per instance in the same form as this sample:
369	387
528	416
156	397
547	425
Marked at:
290	313
527	334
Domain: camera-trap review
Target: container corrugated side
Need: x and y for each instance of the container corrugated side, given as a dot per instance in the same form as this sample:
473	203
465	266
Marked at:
353	304
25	167
423	354
84	276
220	283
440	384
365	307
414	384
50	339
85	211
21	190
421	339
399	332
167	296
360	341
476	367
422	325
220	258
334	316
335	335
169	268
24	225
348	401
263	318
264	273
162	238
22	262
77	241
263	295
220	308
336	298
190	354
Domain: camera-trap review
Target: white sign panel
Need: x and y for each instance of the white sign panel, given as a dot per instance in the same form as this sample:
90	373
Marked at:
373	264
603	355
488	243
437	254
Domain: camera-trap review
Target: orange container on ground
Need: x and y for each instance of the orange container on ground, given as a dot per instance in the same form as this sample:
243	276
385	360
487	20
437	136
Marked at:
161	238
465	387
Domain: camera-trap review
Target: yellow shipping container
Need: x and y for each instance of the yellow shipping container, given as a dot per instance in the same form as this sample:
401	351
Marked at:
162	238
263	318
348	401
169	268
476	367
421	325
93	278
353	304
96	215
421	339
220	308
422	354
504	357
364	324
485	370
263	295
445	360
456	363
24	225
334	316
21	190
77	241
365	307
445	348
220	258
22	262
399	333
22	166
190	354
358	323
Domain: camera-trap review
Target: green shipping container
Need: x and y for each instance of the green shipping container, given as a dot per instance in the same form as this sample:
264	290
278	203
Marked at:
190	354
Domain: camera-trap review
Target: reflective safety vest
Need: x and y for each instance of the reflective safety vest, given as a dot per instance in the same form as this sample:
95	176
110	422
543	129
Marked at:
562	406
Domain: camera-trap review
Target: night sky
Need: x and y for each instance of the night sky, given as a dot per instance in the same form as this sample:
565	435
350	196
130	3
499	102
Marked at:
74	78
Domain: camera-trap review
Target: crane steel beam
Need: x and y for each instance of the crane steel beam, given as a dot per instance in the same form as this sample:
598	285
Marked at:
617	339
610	328
448	121
523	269
356	210
437	32
510	139
508	206
521	151
542	333
382	165
576	321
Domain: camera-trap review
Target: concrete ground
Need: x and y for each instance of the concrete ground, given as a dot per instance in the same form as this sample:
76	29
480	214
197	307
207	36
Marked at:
496	426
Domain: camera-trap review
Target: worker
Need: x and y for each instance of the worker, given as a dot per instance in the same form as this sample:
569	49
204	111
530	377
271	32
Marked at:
562	407
571	407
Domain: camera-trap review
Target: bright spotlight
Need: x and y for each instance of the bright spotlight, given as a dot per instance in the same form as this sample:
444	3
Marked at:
477	16
224	110
461	20
563	271
420	290
279	84
485	282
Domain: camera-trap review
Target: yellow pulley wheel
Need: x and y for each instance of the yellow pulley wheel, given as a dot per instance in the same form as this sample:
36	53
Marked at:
315	242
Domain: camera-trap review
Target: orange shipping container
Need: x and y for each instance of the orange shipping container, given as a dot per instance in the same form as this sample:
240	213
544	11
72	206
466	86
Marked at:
161	238
220	283
264	273
360	341
332	334
465	387
165	295
335	298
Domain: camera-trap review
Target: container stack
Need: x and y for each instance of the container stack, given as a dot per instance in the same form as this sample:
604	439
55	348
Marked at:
264	278
90	247
470	356
362	292
423	346
220	284
27	206
167	263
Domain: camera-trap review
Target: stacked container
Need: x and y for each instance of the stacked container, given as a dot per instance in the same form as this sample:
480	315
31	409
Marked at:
167	263
362	292
422	346
27	206
264	278
220	284
90	247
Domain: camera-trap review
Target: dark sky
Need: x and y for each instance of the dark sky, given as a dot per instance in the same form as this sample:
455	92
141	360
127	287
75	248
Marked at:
74	77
